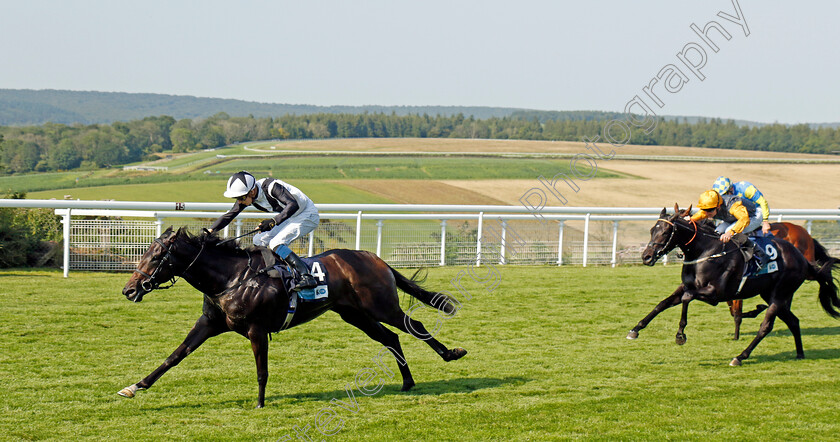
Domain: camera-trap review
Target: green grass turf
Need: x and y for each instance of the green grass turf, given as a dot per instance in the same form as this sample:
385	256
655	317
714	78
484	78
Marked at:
203	167
548	360
406	167
206	191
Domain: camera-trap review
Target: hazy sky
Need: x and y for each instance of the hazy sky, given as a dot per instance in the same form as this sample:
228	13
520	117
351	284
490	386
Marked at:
538	54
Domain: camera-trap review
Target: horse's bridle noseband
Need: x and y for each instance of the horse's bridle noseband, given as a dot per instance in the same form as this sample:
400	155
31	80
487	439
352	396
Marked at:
149	283
666	246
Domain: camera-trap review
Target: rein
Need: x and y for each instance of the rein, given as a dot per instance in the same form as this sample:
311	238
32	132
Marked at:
666	246
696	231
243	281
706	258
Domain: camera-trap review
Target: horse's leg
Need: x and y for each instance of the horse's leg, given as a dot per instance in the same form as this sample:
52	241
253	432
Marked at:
259	344
680	338
793	325
203	329
766	327
665	304
379	333
705	294
736	309
752	314
415	328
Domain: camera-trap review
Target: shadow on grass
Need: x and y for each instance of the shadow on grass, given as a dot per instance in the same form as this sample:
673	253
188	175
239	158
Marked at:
784	331
819	331
817	354
785	356
459	385
19	274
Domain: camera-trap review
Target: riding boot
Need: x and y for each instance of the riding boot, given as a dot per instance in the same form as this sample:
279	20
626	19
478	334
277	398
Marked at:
759	254
751	248
745	244
307	281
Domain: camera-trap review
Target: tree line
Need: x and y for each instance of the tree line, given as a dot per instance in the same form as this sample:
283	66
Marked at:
54	147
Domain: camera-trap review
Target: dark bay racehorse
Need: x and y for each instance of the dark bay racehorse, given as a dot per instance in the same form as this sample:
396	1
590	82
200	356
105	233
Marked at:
712	273
237	297
813	251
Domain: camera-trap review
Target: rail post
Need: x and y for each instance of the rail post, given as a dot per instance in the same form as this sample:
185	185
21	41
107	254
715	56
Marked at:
66	234
586	238
359	230
379	238
613	261
502	245
443	242
560	243
478	241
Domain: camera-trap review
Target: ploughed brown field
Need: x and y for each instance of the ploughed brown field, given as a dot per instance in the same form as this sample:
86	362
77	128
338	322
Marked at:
642	184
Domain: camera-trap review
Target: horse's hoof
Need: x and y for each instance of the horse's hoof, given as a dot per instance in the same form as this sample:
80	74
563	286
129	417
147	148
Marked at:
407	386
632	335
680	339
128	391
735	362
800	356
455	354
260	406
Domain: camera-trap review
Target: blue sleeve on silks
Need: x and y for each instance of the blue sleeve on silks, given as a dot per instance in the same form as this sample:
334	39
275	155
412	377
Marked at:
283	251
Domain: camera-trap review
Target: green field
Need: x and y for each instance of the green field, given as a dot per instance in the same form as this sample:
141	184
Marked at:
548	360
202	167
206	191
406	167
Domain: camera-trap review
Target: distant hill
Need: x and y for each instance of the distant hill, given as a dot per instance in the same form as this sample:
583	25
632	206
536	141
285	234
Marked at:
544	116
24	107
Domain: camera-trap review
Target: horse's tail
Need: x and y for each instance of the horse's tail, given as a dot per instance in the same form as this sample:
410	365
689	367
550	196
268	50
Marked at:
412	286
828	288
822	257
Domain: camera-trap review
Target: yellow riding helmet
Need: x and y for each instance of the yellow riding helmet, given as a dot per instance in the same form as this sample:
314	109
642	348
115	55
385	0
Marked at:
709	199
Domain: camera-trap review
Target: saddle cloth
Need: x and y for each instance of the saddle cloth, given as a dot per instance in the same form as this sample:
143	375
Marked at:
290	278
765	243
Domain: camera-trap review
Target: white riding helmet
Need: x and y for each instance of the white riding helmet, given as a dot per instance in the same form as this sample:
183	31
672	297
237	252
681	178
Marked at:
239	184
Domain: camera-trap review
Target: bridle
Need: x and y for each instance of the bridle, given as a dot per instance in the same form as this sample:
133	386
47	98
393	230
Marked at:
149	283
667	246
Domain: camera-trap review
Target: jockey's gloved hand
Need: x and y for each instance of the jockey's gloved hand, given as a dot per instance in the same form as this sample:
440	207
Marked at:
267	224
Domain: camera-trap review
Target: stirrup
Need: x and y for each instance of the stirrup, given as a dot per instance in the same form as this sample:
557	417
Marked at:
306	281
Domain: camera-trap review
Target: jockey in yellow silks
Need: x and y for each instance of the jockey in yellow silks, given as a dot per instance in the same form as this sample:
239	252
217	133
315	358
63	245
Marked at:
747	190
737	215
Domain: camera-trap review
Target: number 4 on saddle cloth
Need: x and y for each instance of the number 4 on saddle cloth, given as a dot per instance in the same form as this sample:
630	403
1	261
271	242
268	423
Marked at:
276	268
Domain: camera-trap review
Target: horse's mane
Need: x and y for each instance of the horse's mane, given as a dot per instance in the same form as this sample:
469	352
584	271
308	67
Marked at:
704	226
210	240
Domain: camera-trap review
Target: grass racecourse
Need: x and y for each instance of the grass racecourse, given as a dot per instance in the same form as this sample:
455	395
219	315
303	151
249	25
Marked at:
548	360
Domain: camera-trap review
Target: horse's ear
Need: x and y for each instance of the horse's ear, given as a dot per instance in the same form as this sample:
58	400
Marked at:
663	212
688	211
167	231
676	209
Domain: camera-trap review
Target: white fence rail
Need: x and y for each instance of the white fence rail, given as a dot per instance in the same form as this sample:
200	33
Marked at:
112	235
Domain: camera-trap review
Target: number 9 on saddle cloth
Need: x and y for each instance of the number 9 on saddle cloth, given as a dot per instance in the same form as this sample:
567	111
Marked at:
761	260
